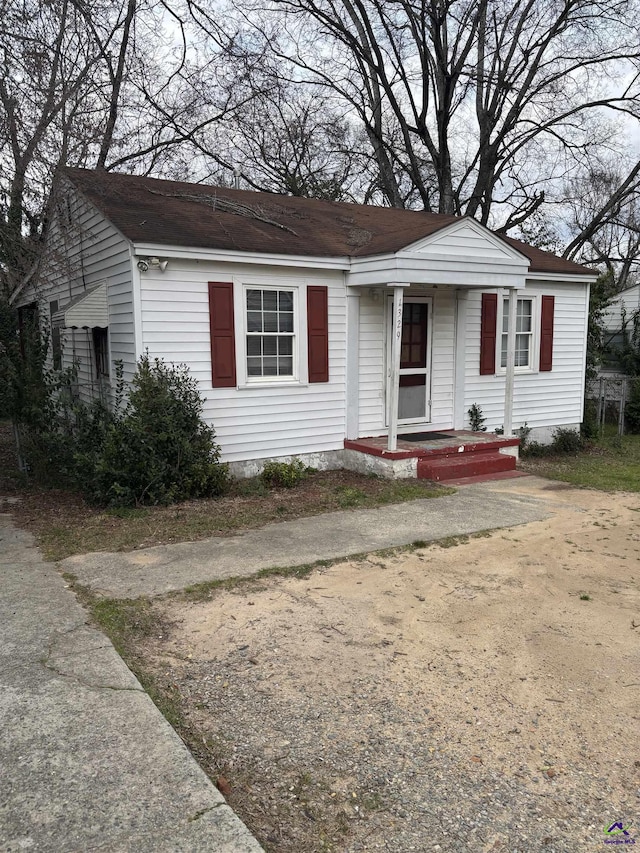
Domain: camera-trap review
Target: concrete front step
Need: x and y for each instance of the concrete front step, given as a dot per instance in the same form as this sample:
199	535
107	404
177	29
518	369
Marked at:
458	465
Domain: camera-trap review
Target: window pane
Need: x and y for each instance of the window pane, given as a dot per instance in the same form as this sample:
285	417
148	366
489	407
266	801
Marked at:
286	322
254	366
505	316
270	300
254	321
285	299
503	352
285	366
270	321
254	345
270	365
522	350
523	323
254	300
285	346
270	345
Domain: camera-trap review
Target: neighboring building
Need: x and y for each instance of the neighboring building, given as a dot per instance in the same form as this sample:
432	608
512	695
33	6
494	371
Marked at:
620	314
308	322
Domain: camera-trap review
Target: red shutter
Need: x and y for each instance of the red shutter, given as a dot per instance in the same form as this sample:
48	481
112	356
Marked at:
488	323
223	345
546	333
318	333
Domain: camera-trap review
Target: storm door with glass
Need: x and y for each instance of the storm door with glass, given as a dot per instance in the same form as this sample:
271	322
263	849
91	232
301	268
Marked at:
414	404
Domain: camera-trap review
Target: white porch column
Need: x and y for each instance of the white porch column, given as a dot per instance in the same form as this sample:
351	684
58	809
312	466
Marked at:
353	362
393	373
511	359
460	369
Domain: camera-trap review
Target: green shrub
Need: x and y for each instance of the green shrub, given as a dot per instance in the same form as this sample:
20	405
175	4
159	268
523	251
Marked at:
476	419
159	450
632	409
566	440
284	475
534	449
589	428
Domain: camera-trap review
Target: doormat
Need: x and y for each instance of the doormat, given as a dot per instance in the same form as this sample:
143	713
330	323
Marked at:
423	436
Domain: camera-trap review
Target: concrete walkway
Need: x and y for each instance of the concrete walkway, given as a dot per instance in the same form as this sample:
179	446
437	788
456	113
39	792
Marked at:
87	761
164	568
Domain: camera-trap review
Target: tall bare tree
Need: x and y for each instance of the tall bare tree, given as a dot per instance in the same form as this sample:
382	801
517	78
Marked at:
488	106
103	84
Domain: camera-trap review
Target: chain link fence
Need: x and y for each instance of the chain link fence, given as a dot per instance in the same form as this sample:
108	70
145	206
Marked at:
615	401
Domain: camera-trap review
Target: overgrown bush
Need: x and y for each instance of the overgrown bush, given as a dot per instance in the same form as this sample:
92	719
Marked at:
284	475
156	450
632	409
565	440
159	450
589	428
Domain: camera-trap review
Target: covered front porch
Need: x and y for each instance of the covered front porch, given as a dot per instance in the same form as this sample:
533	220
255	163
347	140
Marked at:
414	327
446	456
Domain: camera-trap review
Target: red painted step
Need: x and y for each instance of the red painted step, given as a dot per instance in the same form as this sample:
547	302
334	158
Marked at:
459	465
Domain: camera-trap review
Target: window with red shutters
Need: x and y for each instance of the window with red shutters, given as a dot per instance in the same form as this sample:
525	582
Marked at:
223	345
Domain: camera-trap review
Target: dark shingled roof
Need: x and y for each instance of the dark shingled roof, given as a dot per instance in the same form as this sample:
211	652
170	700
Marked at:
198	215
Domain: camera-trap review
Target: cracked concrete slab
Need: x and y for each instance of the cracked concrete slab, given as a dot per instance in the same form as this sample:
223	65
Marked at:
165	568
88	762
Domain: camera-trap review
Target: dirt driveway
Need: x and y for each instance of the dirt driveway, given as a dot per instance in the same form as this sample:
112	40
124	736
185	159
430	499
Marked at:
483	696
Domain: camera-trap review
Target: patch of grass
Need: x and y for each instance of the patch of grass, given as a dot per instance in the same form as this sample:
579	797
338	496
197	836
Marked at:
585	597
350	497
127	512
611	465
452	541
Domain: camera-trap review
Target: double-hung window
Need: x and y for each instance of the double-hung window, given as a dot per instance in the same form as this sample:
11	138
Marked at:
270	332
524	333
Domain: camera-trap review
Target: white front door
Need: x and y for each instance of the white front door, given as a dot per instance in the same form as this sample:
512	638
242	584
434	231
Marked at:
414	393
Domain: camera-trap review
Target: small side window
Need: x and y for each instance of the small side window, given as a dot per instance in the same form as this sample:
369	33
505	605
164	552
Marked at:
56	341
101	352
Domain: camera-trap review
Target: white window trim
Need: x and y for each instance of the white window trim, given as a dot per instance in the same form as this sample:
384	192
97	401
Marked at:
300	365
534	353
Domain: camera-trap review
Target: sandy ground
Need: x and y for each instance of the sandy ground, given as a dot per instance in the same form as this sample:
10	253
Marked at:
382	704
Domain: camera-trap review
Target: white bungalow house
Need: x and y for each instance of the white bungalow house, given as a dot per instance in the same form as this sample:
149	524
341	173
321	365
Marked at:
333	332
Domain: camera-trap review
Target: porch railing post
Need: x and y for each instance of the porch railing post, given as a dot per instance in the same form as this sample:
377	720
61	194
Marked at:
393	374
511	361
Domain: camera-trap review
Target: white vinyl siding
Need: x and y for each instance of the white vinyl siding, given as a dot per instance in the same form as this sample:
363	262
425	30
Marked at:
540	399
69	274
250	422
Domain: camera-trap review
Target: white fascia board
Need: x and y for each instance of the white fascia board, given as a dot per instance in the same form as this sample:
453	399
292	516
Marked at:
563	277
411	269
235	257
461	224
